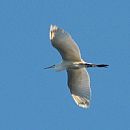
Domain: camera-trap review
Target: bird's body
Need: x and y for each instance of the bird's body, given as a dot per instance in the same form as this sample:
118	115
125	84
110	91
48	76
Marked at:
78	78
69	65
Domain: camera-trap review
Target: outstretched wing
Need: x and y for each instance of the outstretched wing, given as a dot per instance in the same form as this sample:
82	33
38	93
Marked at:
63	42
79	84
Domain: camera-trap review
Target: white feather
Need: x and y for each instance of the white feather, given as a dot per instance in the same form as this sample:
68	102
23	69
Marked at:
78	79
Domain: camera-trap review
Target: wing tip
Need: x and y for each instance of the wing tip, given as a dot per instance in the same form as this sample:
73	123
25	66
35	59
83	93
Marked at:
81	101
53	29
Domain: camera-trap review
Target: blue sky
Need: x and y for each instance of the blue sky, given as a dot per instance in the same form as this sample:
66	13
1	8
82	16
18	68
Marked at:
32	98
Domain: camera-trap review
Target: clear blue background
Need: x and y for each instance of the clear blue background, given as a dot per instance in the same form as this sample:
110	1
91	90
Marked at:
32	98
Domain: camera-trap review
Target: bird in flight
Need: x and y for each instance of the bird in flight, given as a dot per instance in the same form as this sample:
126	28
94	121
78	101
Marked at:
78	77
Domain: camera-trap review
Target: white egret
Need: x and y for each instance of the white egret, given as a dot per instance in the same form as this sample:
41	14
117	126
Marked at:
78	78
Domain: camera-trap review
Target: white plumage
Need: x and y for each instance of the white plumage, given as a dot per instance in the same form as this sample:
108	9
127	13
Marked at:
78	78
79	84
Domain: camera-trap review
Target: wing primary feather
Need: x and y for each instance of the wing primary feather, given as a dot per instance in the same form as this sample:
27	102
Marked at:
79	85
64	43
81	102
